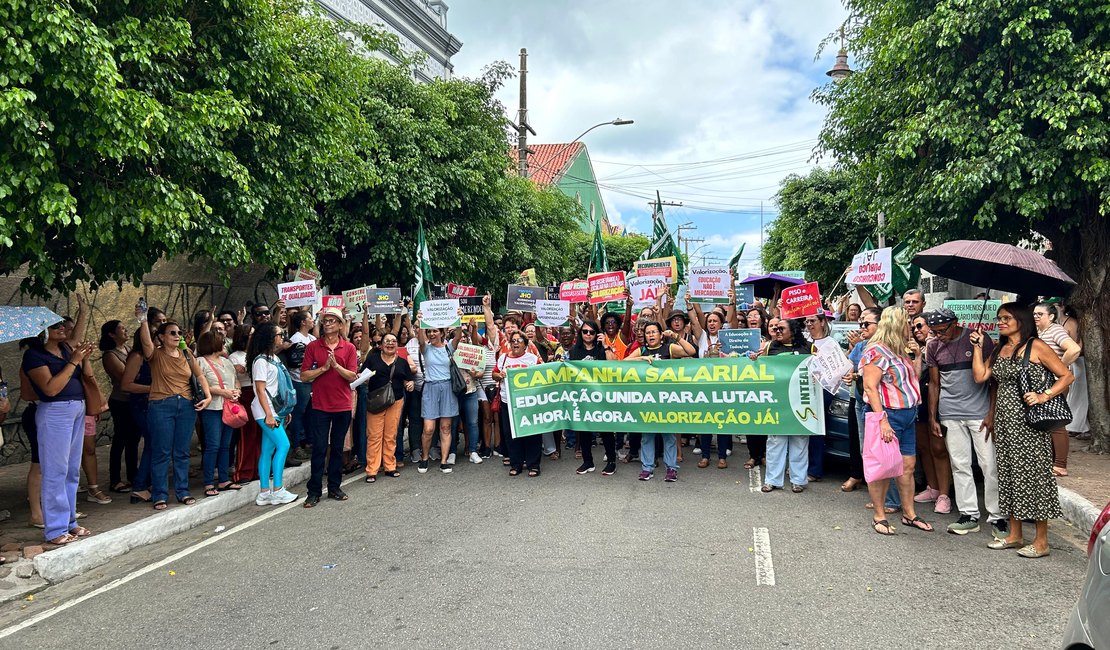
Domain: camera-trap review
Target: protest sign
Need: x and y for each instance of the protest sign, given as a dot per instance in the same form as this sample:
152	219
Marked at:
472	309
969	312
460	290
528	278
439	313
829	364
660	267
870	267
709	285
645	291
740	342
332	301
839	333
523	298
306	274
607	286
574	291
383	301
470	357
734	395
801	300
745	296
354	300
800	275
553	292
301	293
552	313
439	291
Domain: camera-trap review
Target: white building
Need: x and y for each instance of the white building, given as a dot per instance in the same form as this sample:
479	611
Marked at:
421	26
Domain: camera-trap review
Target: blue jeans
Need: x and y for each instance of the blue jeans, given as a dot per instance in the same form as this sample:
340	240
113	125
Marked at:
171	421
297	424
327	429
724	443
139	408
468	410
670	451
358	430
61	429
779	448
217	442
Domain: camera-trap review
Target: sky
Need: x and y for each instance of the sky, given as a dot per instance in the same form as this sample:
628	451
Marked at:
719	91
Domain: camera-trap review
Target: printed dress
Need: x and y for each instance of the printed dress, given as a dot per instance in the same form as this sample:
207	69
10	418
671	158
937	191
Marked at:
1026	487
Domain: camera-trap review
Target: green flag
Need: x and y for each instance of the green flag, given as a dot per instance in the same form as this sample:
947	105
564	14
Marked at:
734	263
662	244
423	270
906	275
599	260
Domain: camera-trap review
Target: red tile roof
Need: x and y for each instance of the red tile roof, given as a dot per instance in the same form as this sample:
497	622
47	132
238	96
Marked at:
547	162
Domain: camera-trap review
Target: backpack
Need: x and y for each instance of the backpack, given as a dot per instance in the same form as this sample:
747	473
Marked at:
285	400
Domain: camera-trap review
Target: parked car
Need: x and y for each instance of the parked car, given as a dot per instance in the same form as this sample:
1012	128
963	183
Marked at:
1089	626
838	416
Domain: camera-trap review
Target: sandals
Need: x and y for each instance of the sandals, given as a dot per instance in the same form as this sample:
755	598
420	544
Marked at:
750	463
722	464
62	540
211	491
123	487
514	472
160	505
918	523
337	495
138	498
876	523
888	510
767	487
533	473
554	456
506	462
703	463
850	485
373	479
1057	471
393	474
96	495
797	489
312	500
229	486
80	531
187	500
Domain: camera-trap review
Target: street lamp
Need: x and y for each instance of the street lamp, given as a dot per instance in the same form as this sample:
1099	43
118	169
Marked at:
840	69
616	122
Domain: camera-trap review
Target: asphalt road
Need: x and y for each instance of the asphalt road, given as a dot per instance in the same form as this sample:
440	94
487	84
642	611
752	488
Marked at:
479	559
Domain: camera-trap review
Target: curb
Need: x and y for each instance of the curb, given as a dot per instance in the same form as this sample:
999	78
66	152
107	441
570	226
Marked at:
73	560
1078	511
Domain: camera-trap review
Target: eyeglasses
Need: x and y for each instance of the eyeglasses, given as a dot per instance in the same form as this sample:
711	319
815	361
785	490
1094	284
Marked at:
811	321
1038	314
174	333
864	324
1004	319
330	321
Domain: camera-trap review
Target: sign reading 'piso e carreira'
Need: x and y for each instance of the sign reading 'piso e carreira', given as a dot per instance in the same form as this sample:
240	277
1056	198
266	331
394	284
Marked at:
769	396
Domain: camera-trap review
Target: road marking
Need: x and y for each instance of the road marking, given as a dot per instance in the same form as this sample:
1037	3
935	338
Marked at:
138	573
755	479
764	568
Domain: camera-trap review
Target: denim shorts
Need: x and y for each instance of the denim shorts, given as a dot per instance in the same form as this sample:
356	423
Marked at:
904	423
438	401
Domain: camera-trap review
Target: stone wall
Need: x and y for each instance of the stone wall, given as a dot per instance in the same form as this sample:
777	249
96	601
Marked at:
178	287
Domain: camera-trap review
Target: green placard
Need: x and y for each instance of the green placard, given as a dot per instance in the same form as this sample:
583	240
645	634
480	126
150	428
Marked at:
772	395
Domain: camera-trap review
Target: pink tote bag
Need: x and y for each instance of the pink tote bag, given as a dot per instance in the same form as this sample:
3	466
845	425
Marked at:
881	460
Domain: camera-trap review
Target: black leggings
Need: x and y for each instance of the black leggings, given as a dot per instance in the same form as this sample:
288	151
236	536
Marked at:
125	442
586	443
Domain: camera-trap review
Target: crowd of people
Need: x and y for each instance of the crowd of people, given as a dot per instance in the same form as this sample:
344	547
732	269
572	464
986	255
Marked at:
273	387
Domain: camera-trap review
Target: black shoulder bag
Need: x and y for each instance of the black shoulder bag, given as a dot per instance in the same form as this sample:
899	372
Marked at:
382	398
1035	378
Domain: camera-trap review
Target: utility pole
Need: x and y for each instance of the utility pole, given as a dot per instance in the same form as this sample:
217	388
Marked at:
523	127
687	241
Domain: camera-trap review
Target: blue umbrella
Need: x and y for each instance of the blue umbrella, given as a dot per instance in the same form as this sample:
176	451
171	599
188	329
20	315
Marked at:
20	322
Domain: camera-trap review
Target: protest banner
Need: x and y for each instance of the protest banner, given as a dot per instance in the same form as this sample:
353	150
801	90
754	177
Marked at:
528	278
709	285
354	300
801	300
800	275
439	291
470	357
969	312
606	286
645	291
472	309
871	267
439	313
574	291
306	275
460	290
301	293
553	292
745	296
731	396
660	267
740	342
839	333
523	298
829	364
552	313
384	301
332	301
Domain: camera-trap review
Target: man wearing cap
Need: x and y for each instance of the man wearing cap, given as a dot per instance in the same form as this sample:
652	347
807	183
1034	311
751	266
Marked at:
962	412
330	363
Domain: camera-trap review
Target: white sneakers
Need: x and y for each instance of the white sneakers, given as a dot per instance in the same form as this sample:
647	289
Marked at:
451	458
278	497
475	458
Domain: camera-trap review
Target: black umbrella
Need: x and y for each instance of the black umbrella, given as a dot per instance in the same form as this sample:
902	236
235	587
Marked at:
764	285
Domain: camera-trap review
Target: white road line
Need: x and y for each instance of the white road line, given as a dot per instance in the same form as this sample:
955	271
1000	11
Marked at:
138	573
764	568
755	479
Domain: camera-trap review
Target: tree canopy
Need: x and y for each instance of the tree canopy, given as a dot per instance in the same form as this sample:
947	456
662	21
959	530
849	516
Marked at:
818	228
987	120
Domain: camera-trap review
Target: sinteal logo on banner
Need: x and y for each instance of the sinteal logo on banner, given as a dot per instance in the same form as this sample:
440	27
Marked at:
769	396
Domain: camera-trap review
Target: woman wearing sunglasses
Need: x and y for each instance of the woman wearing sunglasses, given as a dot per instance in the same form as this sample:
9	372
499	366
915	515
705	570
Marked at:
528	449
171	414
587	348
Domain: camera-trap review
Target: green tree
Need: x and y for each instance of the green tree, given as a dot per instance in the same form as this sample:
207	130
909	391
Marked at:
988	120
622	251
133	130
818	229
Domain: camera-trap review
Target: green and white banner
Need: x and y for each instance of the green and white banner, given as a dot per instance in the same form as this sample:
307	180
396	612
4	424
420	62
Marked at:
769	396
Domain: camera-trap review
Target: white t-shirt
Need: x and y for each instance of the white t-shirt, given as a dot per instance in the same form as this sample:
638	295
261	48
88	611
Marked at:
303	339
263	369
240	359
705	341
506	363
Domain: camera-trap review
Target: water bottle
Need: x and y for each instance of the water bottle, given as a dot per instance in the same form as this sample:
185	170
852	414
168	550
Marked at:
3	390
